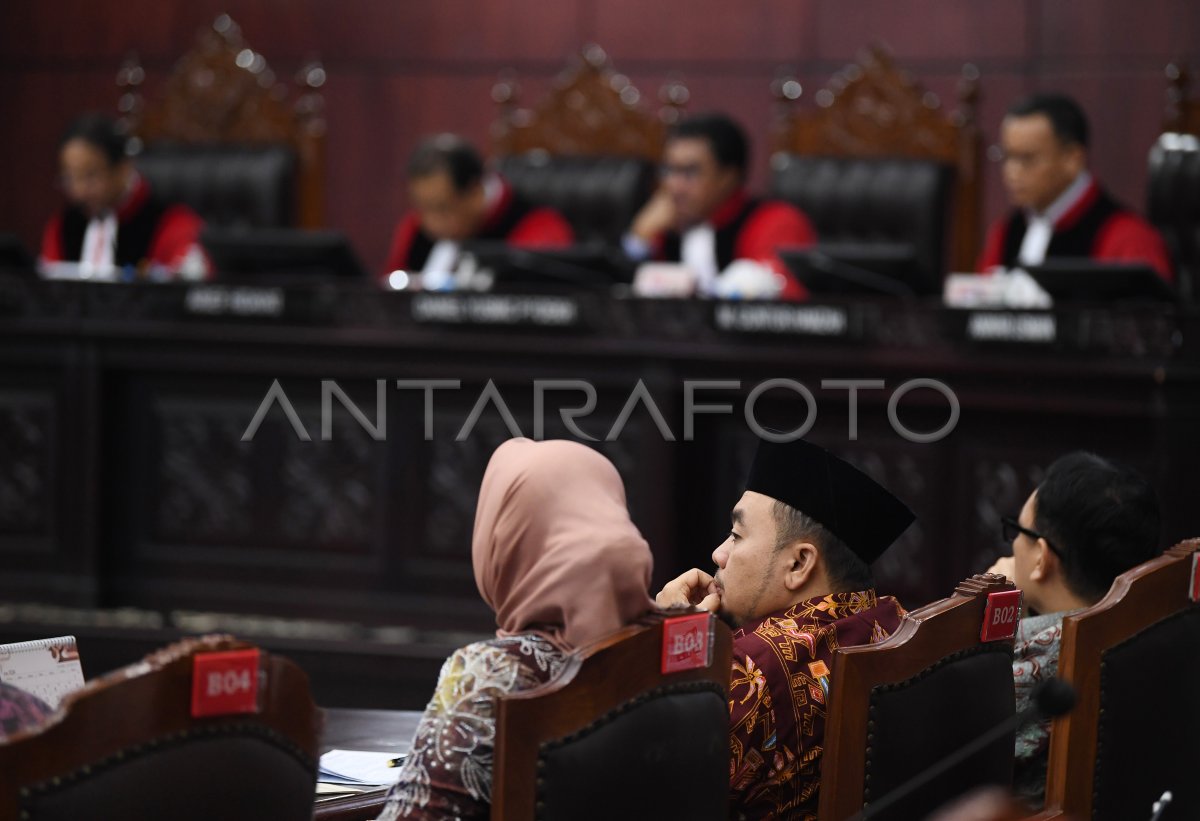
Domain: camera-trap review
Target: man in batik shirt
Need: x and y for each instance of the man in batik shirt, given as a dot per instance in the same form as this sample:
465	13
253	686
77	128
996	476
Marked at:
794	578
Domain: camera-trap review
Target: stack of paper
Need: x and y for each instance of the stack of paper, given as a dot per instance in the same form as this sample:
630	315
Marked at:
358	768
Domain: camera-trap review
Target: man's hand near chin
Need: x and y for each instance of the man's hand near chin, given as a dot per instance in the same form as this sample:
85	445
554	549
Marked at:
656	217
693	588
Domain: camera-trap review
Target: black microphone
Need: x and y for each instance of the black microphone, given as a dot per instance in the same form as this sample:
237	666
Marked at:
1051	698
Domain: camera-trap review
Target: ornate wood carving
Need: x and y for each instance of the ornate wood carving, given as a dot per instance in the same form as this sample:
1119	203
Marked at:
27	445
592	109
313	496
222	91
874	109
1183	112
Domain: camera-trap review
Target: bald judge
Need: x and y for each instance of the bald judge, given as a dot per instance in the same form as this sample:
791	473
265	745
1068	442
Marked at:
794	578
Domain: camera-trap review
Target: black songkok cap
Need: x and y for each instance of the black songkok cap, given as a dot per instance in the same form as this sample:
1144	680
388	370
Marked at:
847	502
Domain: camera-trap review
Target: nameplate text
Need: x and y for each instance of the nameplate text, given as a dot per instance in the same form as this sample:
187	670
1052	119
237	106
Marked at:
799	320
996	326
497	309
219	300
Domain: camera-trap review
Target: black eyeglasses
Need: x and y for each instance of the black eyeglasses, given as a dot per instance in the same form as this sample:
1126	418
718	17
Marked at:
1010	527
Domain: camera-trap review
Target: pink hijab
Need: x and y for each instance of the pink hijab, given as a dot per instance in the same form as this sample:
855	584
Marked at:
554	549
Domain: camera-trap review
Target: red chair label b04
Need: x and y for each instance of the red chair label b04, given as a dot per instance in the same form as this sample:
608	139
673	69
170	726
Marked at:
225	683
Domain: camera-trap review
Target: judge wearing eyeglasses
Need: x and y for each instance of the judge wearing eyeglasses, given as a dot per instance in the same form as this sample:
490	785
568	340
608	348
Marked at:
703	217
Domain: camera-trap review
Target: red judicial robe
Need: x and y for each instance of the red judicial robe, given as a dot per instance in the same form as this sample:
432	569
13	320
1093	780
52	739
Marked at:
778	696
149	232
1097	226
754	229
510	219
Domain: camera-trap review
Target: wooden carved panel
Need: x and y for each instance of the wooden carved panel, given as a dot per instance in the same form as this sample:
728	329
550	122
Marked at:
202	487
223	91
591	110
872	108
904	569
275	492
455	471
27	445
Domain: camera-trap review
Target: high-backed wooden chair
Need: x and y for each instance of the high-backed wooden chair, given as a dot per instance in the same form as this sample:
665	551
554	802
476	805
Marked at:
589	149
225	138
130	745
877	161
1134	661
617	737
900	706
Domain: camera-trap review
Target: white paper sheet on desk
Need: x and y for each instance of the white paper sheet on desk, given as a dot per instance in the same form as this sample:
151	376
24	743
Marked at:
357	767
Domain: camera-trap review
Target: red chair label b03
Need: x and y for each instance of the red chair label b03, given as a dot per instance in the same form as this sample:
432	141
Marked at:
687	642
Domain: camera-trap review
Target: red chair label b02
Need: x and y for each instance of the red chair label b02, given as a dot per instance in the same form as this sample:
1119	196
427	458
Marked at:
225	683
1000	616
687	642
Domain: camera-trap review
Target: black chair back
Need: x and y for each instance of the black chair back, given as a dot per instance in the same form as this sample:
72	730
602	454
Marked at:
1173	205
598	195
620	733
229	186
871	202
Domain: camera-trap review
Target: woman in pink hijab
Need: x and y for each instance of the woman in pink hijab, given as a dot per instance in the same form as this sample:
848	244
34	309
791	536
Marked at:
557	557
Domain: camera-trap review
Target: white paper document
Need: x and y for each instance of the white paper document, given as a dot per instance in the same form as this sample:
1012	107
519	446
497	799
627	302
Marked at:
358	767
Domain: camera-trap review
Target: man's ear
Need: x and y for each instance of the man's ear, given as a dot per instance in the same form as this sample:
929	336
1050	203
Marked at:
730	178
802	559
1076	159
1045	563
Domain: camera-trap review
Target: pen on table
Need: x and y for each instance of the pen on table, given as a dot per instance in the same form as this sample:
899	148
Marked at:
396	762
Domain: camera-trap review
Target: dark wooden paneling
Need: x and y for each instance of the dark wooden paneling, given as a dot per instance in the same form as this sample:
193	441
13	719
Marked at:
144	494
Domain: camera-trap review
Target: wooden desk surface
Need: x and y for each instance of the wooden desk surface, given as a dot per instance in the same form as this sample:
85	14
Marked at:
382	731
373	730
